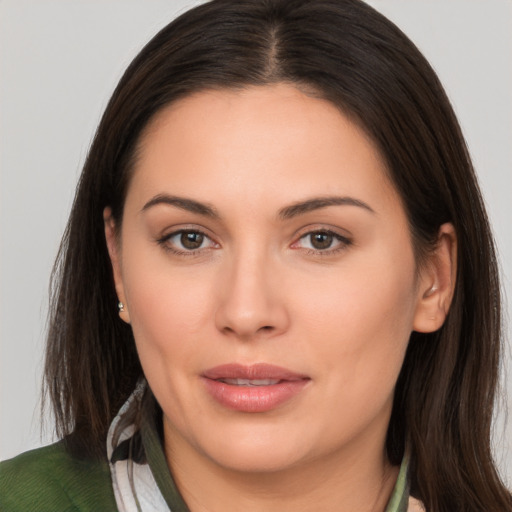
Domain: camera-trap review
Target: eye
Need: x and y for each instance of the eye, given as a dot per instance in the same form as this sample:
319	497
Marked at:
322	241
186	241
190	240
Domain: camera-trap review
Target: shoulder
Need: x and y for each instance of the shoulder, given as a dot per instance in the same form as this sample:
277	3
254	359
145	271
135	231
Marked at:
50	478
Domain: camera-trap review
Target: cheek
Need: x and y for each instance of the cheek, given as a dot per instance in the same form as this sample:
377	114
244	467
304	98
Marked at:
169	308
360	325
170	315
358	335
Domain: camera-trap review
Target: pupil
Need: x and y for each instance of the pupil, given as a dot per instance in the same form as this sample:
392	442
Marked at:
191	240
321	240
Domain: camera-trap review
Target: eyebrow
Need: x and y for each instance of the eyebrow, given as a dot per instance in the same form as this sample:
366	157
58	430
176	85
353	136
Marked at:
184	203
317	203
288	212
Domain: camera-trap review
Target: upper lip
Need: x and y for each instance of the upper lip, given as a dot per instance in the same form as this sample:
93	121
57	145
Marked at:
258	371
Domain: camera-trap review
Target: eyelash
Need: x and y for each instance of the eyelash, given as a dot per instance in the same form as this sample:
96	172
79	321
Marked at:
343	242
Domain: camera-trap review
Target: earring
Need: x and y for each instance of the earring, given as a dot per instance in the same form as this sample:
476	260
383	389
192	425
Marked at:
431	291
120	306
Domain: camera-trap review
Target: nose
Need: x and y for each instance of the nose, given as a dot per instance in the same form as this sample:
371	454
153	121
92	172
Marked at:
252	303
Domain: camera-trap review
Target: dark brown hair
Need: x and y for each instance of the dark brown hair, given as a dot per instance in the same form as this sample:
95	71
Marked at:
345	52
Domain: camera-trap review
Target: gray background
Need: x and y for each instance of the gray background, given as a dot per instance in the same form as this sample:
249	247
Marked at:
59	62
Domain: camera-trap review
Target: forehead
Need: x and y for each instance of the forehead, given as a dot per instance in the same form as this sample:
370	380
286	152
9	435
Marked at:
261	143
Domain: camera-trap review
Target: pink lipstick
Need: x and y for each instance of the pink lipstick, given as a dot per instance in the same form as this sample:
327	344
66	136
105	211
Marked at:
257	388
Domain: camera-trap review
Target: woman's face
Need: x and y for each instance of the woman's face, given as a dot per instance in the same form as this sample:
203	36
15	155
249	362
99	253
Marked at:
266	267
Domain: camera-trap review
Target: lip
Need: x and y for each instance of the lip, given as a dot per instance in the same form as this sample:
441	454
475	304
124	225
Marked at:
257	398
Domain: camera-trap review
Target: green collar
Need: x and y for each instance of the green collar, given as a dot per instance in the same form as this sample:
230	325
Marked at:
399	500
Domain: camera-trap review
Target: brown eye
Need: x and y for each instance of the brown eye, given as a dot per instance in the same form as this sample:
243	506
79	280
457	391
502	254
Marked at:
321	240
191	240
186	242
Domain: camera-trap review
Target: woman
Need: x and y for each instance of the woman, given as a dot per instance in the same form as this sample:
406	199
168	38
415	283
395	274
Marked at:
277	289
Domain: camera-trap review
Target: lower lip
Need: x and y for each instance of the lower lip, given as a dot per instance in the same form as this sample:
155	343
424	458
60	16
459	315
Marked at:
254	398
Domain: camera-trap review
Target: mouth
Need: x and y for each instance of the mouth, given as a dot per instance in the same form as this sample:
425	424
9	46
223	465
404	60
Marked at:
256	388
250	382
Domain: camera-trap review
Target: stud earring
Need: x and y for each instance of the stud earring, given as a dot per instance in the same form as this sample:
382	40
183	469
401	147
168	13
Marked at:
431	291
120	306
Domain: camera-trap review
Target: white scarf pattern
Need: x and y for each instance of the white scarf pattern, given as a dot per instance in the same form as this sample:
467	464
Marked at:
135	488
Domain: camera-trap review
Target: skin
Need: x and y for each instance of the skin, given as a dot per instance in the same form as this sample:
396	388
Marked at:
258	290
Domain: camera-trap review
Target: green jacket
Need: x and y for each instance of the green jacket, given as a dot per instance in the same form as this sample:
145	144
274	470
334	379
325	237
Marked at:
49	480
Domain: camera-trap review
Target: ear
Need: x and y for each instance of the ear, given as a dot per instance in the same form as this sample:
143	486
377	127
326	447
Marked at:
437	282
112	239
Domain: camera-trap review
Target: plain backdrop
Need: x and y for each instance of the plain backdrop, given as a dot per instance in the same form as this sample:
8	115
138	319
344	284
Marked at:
59	62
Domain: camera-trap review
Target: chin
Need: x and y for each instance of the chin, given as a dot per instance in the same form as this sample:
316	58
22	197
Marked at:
250	459
264	448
